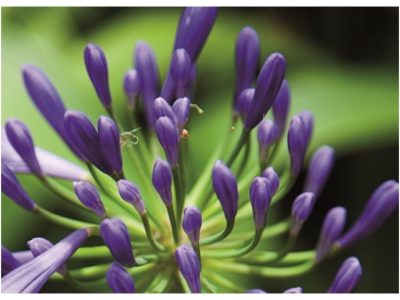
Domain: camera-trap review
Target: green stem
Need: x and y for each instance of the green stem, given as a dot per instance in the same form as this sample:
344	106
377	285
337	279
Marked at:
207	285
245	158
179	193
86	285
149	233
262	257
171	215
66	222
242	141
232	287
161	282
219	236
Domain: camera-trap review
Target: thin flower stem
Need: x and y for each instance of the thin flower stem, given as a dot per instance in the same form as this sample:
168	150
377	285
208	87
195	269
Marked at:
232	287
245	158
149	234
179	193
209	288
99	284
184	284
182	158
172	219
196	248
161	282
219	236
242	141
264	257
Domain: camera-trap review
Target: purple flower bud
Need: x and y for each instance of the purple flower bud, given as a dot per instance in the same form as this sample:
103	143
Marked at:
319	169
8	261
260	197
163	109
40	245
131	194
194	26
116	237
180	70
20	138
348	277
308	121
226	188
191	82
297	144
247	57
301	210
47	101
280	108
267	87
191	223
30	277
131	86
255	291
244	101
270	174
119	280
109	141
13	189
267	134
96	66
90	197
168	89
189	265
86	139
380	206
146	65
181	108
295	290
168	135
162	180
331	229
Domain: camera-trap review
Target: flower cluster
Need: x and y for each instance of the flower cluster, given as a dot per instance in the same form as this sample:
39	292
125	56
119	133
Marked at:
158	233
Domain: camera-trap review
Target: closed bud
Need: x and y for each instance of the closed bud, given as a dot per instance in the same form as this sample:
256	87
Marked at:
243	103
348	277
280	108
191	223
189	265
131	194
270	174
131	87
180	69
90	197
267	134
162	180
301	210
260	197
181	108
168	135
297	144
163	109
119	280
109	141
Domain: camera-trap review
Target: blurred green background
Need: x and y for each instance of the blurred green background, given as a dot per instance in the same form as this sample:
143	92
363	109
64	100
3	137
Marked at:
342	65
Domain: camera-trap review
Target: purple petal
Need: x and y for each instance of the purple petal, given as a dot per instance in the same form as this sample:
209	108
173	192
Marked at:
119	280
191	223
189	265
131	194
348	276
162	180
109	141
168	135
280	108
90	197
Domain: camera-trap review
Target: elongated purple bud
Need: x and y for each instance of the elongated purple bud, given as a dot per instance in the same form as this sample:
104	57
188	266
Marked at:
297	144
90	197
270	174
348	277
13	189
268	83
295	290
193	29
30	277
380	206
167	133
308	121
260	197
109	142
331	229
280	108
96	66
163	109
191	223
180	70
162	180
319	169
146	65
243	103
20	138
86	139
116	237
119	280
181	108
247	57
190	86
40	245
189	265
47	101
8	261
168	89
301	209
267	134
131	87
131	194
255	291
226	189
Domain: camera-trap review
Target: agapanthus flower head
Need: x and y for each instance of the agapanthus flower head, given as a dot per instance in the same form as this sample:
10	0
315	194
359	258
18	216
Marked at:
247	58
380	206
40	245
181	108
116	236
13	189
260	197
270	174
181	65
280	108
301	210
167	133
348	276
96	66
131	87
189	266
191	223
243	103
162	180
119	280
331	229
90	197
20	138
131	194
226	189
